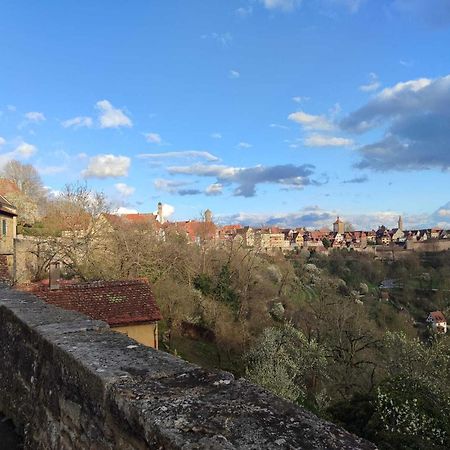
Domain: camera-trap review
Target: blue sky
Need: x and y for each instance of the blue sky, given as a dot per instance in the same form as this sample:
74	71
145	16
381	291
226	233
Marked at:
277	111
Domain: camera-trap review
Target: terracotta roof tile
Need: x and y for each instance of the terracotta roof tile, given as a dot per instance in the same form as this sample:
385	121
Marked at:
438	316
8	187
115	302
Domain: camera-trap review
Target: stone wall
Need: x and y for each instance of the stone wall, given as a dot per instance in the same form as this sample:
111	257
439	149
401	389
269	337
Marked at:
430	245
71	383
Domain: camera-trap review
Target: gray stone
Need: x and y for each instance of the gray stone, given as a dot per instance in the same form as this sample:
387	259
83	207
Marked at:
71	383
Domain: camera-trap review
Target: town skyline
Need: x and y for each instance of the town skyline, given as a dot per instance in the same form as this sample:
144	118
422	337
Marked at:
266	112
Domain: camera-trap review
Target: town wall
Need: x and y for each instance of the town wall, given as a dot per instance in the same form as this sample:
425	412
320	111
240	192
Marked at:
430	245
69	382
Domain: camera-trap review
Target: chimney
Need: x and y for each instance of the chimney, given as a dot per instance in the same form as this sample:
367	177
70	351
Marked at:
55	275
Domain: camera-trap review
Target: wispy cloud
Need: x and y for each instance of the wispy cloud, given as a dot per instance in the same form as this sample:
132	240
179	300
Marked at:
319	140
224	39
247	178
175	187
25	150
182	154
35	116
153	138
283	5
78	122
244	145
234	74
299	99
244	11
372	85
311	121
214	189
276	125
124	189
357	180
216	135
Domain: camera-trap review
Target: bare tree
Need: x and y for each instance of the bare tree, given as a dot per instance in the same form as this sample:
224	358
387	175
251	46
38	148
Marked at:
26	177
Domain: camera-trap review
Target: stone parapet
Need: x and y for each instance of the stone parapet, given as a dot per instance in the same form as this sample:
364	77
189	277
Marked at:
71	383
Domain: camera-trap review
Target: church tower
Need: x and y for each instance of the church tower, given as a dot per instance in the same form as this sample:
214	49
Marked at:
159	215
339	226
400	223
208	216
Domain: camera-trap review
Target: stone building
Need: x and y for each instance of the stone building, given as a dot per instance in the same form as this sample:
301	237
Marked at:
8	231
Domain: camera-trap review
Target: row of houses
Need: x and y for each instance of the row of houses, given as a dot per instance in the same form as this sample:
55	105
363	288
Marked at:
271	239
274	238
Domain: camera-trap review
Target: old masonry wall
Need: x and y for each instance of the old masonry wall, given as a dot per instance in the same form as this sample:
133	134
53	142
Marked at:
71	383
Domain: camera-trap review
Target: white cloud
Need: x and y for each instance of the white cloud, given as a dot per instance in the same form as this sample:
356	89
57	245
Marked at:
411	86
319	140
111	117
244	145
78	122
124	189
124	210
153	138
414	119
214	189
105	166
35	116
310	121
25	150
234	74
284	5
167	210
216	135
372	85
2	141
183	154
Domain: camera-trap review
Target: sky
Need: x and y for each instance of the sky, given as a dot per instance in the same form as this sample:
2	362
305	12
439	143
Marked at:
282	112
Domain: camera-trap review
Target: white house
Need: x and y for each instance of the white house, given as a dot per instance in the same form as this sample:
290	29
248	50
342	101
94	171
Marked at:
437	321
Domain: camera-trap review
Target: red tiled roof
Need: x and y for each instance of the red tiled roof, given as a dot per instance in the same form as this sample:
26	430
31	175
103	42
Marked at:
230	227
194	229
438	316
115	302
132	218
8	187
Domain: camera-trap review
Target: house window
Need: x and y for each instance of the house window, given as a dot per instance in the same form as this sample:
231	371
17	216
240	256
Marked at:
4	228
